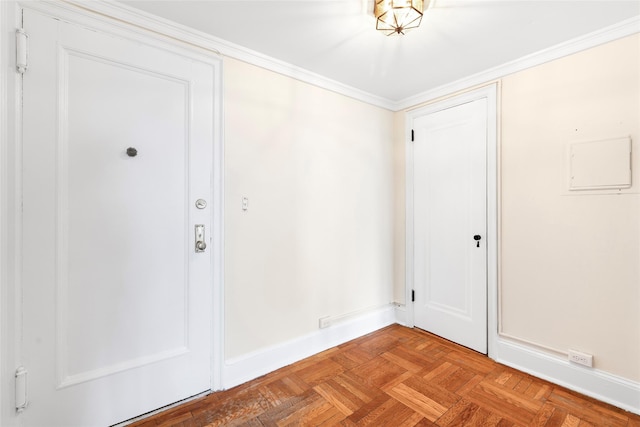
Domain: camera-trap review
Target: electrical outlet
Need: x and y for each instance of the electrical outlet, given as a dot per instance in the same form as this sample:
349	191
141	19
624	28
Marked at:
324	322
581	358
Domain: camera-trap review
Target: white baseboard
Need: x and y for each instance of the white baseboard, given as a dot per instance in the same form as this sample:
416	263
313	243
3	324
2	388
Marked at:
600	385
401	314
253	365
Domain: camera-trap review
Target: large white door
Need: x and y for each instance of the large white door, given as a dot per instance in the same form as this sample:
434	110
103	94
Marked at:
450	223
117	148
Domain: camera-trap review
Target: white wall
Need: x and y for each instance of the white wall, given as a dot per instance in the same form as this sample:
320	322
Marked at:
318	237
571	263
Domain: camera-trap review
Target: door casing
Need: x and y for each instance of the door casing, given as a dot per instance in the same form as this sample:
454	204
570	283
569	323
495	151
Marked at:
490	93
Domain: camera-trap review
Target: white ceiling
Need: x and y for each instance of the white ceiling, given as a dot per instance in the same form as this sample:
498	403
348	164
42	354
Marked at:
337	38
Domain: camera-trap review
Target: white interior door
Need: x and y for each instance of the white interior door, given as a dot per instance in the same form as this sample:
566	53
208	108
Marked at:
449	215
116	302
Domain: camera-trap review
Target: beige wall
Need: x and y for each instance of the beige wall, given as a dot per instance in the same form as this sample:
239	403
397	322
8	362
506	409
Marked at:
571	264
399	158
324	233
318	237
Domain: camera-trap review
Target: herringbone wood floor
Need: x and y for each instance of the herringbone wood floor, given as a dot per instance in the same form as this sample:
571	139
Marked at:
395	377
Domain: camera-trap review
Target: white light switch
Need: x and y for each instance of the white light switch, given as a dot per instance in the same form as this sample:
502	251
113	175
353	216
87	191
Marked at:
245	203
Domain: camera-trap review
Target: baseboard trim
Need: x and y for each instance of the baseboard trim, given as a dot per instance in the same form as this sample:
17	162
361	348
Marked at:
253	365
617	391
401	314
600	385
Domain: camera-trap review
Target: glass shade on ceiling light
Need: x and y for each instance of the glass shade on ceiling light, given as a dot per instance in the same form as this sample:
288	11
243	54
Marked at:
394	17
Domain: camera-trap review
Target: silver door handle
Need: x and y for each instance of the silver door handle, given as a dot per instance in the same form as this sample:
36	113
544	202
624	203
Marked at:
200	244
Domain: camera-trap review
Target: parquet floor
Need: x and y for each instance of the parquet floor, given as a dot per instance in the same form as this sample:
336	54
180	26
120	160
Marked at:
395	377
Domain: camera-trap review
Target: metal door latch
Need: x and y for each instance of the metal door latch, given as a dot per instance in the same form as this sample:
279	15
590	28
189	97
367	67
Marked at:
200	244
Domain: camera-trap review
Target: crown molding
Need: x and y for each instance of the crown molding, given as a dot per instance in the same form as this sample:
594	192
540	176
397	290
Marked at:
182	35
604	35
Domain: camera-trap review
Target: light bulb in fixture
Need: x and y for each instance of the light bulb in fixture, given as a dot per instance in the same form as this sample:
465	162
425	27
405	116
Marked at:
395	17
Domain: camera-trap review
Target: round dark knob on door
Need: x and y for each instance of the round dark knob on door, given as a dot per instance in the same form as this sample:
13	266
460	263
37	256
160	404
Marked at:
132	152
477	238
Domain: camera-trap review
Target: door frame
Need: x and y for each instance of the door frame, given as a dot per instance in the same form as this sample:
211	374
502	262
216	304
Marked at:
490	93
118	21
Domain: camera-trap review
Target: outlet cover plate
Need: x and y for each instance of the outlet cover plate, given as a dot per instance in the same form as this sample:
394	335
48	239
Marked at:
581	358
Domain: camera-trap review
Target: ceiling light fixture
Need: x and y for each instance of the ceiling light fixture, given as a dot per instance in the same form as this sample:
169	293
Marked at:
395	17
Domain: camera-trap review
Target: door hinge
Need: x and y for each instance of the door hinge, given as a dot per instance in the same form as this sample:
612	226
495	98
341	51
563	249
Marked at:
412	135
413	295
21	389
22	48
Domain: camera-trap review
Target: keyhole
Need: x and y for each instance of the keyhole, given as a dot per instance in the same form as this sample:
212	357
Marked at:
477	238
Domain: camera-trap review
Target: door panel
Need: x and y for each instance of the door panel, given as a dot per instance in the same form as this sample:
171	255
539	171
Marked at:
116	301
449	200
107	246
